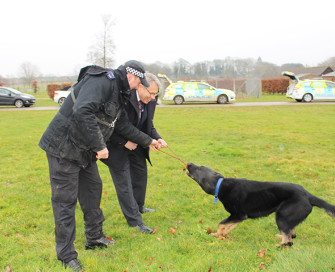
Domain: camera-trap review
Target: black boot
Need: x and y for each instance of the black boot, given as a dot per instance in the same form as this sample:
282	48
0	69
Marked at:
143	228
101	242
145	210
74	265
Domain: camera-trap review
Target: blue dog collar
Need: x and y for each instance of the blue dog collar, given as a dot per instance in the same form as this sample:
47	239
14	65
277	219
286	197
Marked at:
217	190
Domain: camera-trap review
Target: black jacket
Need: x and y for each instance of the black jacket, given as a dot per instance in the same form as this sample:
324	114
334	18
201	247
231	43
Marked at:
75	134
117	141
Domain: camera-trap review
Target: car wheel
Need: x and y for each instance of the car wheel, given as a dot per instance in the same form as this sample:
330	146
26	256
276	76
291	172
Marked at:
18	103
222	99
178	100
298	100
61	100
307	98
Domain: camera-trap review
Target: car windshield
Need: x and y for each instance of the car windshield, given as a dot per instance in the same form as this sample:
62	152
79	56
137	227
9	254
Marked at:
14	91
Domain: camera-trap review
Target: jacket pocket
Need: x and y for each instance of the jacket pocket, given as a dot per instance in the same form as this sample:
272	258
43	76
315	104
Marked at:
75	152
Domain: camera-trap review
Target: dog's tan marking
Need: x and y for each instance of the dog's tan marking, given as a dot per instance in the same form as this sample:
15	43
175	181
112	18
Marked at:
224	229
286	239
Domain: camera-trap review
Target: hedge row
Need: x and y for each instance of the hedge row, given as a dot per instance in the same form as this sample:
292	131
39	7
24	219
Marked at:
51	88
275	85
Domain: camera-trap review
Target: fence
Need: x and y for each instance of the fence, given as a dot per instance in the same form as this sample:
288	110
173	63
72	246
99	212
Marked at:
246	87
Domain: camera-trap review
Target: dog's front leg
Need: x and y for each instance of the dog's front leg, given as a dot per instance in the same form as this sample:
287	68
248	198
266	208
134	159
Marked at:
220	231
224	229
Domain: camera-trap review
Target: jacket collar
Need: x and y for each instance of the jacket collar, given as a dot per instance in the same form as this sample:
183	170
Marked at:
122	79
133	100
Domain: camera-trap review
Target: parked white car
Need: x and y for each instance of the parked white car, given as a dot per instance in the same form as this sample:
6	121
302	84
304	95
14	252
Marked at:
60	96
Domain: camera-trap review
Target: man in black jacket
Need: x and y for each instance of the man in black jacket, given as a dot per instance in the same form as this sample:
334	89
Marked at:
127	160
75	139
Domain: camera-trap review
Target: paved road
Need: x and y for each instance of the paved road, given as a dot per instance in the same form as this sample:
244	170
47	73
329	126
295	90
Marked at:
250	104
235	104
29	109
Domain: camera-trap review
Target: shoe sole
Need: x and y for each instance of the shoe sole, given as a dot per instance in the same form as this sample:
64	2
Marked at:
99	246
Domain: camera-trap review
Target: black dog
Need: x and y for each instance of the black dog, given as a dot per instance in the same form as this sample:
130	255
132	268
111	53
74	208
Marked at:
245	199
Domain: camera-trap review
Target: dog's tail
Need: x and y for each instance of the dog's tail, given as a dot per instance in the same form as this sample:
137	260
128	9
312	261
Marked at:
320	203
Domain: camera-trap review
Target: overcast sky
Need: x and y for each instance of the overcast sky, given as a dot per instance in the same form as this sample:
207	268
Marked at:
55	36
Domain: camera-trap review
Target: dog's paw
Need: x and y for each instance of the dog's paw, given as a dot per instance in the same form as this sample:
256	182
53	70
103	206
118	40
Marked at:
219	236
285	245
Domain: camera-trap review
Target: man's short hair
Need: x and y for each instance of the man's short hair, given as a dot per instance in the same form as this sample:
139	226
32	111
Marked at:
151	78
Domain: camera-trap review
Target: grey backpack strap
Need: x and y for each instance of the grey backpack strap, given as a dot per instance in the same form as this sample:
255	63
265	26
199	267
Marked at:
72	93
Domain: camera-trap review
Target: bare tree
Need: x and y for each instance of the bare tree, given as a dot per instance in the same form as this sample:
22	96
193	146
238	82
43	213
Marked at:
266	70
2	80
200	70
291	66
102	52
244	67
181	68
28	72
328	62
158	67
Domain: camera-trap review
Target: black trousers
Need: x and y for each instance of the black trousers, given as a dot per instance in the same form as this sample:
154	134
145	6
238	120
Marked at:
130	181
70	182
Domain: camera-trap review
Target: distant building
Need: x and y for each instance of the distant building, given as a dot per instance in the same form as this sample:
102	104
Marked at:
312	72
329	76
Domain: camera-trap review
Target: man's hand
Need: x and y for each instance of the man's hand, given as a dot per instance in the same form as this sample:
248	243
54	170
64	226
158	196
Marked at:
130	145
102	154
162	143
154	146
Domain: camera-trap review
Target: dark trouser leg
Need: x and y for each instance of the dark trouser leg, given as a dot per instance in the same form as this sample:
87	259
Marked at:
89	196
122	182
139	176
64	189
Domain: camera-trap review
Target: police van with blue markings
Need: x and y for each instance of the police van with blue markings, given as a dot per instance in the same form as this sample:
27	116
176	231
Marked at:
185	91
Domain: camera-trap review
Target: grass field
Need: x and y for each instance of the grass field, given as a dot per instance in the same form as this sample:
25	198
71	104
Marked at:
279	143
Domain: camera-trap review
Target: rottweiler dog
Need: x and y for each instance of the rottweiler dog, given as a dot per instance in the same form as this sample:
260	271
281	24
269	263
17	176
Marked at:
245	199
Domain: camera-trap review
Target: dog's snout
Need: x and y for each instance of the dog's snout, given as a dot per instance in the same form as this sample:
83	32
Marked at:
189	174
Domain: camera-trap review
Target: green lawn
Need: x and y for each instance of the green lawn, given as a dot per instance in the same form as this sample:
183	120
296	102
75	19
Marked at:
278	143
